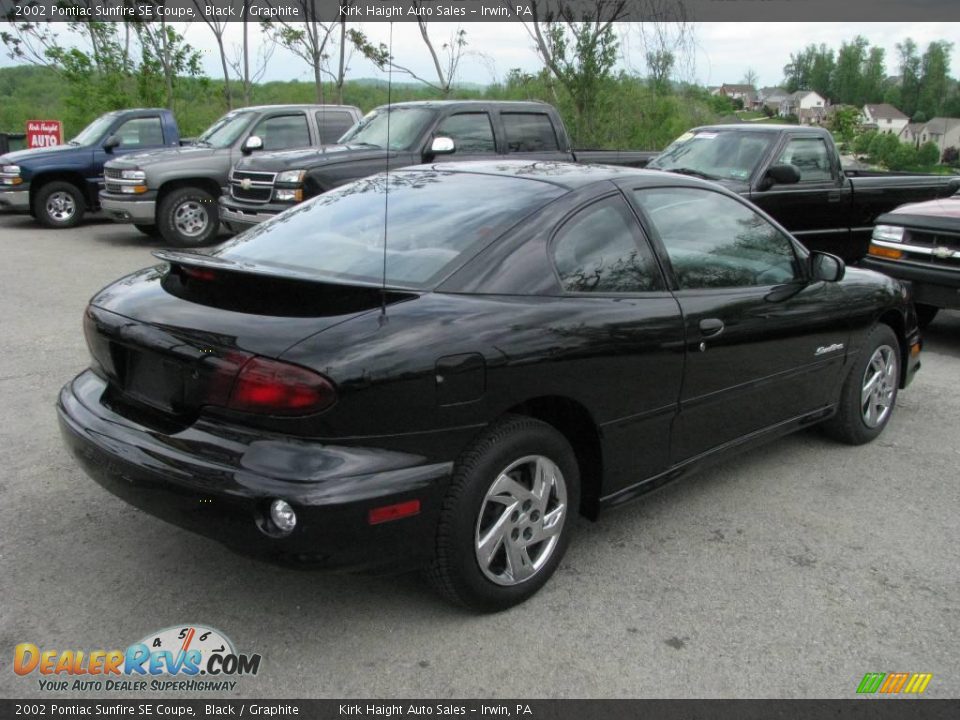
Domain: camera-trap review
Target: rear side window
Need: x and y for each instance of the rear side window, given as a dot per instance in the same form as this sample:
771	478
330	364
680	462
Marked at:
332	124
810	157
529	132
470	132
283	131
140	132
600	249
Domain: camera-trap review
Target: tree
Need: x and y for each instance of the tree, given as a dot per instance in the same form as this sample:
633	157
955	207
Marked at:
844	123
928	154
164	54
307	39
660	64
934	67
218	28
909	76
750	78
848	73
874	76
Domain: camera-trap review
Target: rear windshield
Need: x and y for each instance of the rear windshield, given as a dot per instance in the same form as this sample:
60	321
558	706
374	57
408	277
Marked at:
437	220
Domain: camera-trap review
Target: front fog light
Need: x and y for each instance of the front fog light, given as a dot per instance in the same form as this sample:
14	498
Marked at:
283	516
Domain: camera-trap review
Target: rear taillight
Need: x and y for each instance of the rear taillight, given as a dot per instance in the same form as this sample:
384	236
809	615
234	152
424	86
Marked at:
272	387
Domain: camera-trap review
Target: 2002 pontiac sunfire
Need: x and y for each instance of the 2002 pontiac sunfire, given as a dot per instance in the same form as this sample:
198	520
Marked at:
535	341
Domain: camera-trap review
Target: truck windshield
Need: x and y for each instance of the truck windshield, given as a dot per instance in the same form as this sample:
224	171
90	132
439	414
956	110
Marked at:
434	223
406	125
95	130
226	130
715	154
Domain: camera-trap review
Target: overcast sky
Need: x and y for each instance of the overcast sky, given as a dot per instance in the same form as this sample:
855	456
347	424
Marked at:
723	51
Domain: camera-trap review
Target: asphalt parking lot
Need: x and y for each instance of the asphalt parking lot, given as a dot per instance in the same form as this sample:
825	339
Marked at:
788	572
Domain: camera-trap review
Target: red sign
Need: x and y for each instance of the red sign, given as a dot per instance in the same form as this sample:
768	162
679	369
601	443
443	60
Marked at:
44	133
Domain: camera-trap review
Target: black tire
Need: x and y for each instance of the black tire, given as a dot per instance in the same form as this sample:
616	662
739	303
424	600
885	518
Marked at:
188	217
456	572
148	230
59	204
852	424
926	314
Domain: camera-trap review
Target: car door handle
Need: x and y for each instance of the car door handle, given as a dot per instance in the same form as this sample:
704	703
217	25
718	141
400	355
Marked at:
834	197
711	327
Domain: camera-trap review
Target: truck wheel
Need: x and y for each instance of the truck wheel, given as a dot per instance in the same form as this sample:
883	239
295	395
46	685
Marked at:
148	230
506	520
59	204
869	392
926	314
188	217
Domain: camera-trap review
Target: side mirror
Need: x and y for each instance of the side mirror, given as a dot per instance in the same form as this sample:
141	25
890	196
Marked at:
826	267
442	146
110	143
254	142
784	174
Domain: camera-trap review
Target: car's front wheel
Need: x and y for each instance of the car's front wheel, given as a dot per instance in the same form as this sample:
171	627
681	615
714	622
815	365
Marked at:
869	392
506	520
59	204
188	217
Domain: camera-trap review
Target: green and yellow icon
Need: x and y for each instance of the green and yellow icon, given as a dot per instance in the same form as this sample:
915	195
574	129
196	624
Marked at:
894	683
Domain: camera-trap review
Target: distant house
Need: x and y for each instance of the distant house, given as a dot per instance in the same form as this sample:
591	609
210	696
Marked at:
744	93
943	132
770	97
809	106
886	117
911	133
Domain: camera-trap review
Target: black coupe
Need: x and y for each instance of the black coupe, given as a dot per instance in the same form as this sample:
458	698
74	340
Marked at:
439	367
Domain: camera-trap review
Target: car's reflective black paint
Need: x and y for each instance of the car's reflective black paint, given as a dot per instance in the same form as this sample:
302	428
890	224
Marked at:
641	384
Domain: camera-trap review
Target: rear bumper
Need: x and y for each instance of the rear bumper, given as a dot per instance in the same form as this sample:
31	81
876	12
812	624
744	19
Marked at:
220	485
18	200
244	216
931	286
135	209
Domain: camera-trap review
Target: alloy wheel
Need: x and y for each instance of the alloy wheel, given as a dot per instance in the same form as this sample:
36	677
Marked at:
879	386
191	219
61	206
521	518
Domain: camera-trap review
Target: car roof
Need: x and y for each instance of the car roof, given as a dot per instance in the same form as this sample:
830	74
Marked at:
448	103
567	175
294	106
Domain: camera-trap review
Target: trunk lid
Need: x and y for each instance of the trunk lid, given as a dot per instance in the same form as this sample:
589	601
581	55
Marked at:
171	339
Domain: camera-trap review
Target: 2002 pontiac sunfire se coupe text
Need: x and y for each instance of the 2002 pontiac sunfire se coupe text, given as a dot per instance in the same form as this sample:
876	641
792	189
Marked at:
547	339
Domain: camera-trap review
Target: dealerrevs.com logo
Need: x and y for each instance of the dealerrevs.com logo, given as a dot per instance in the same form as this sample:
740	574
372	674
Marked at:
180	658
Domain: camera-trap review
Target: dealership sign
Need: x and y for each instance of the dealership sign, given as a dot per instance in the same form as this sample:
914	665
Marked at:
44	133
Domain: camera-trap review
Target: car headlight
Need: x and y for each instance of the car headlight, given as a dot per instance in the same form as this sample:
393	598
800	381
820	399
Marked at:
11	169
133	175
289	195
291	176
889	233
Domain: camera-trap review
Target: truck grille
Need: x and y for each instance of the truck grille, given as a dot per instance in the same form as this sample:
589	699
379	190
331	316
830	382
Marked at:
256	187
113	173
932	248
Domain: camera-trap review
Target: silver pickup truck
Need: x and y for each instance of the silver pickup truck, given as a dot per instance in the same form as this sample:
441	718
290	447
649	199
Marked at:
173	193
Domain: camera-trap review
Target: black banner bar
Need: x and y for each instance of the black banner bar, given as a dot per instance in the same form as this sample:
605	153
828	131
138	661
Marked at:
472	10
854	709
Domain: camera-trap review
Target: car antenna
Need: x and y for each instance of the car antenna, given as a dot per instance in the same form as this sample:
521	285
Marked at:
386	186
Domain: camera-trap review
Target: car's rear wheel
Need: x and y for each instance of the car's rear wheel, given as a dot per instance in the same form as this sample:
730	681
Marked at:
505	523
869	392
59	204
189	217
926	314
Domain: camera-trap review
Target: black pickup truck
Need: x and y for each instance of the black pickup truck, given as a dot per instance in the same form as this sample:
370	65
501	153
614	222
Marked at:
794	173
401	135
